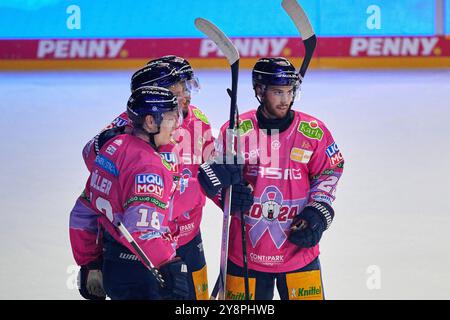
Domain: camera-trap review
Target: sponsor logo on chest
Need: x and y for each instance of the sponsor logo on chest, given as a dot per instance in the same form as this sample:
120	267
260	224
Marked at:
274	173
301	155
311	130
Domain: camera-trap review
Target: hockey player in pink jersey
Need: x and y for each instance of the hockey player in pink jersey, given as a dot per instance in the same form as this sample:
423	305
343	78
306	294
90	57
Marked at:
132	184
293	166
195	144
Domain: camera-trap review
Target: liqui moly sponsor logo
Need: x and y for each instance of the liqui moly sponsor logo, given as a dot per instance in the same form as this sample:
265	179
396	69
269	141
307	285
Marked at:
171	160
334	154
247	47
71	49
146	184
399	46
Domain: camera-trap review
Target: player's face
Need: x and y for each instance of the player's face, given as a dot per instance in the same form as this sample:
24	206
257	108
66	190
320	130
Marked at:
183	95
277	101
168	125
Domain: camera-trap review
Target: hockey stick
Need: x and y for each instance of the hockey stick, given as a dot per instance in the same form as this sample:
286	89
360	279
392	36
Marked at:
142	255
304	27
243	235
232	55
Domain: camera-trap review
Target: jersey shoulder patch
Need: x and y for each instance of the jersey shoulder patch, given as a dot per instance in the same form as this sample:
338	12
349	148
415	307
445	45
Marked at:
200	115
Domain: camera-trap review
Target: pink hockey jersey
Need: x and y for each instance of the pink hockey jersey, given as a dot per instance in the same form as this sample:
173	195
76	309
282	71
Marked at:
287	171
131	183
84	229
194	144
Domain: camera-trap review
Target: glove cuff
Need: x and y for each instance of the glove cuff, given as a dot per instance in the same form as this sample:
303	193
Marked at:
95	265
325	211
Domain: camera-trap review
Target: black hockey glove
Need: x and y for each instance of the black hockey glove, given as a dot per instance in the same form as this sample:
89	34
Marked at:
213	176
241	198
308	226
175	275
90	281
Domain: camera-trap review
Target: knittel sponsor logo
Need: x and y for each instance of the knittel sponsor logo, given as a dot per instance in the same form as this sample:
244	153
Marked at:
232	295
82	49
306	293
147	184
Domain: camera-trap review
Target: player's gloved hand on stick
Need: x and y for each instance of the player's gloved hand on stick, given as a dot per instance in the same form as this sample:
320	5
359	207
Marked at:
214	176
241	198
90	281
308	226
175	275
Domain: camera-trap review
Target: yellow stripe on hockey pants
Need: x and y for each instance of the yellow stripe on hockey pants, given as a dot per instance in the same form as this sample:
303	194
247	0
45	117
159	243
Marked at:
236	288
200	279
306	285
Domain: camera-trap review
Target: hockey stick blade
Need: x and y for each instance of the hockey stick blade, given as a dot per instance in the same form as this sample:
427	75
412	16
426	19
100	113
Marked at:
219	38
304	27
299	18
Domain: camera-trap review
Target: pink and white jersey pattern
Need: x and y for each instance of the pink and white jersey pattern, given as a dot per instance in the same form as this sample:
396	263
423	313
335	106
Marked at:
287	171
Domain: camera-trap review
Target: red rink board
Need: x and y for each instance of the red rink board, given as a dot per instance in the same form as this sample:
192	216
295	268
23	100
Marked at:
203	49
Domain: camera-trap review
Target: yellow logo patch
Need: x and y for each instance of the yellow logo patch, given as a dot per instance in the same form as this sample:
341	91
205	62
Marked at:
301	155
200	279
236	288
306	285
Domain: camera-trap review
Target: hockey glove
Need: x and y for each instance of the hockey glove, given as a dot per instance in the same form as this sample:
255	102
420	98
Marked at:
307	227
241	198
175	275
213	176
90	281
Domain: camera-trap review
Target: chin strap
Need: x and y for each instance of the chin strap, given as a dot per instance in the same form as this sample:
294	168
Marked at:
150	135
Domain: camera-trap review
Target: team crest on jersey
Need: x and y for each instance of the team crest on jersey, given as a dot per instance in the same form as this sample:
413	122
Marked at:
301	155
149	184
270	213
184	180
334	154
311	130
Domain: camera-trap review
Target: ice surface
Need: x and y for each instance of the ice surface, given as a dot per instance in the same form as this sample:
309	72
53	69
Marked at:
392	207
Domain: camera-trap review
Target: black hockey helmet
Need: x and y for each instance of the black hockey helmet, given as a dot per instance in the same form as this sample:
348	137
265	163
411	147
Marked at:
183	68
159	75
275	72
149	100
